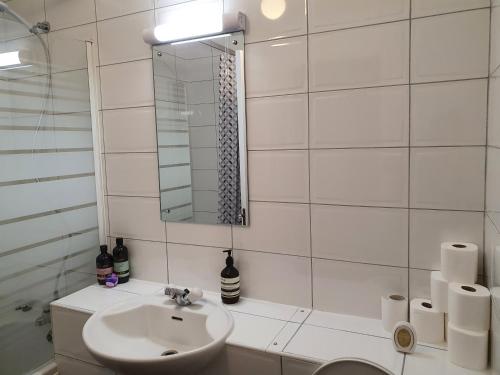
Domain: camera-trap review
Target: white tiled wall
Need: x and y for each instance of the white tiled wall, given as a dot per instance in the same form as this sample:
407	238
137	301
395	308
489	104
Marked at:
492	217
366	131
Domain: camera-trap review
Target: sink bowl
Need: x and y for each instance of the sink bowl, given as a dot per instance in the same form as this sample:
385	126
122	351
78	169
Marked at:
153	335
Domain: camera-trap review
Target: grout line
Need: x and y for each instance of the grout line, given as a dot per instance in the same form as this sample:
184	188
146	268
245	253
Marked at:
125	62
123	15
409	160
364	148
365	206
369	87
308	79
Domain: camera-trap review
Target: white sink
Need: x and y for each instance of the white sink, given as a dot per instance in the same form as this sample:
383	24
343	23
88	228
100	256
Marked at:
153	335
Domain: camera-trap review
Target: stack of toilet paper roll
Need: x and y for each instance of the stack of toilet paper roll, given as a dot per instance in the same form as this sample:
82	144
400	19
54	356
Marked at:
459	309
469	323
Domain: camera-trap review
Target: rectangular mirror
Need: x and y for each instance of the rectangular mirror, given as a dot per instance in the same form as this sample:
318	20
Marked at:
200	122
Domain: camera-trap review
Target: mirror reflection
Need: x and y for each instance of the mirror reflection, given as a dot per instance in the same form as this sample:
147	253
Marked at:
200	122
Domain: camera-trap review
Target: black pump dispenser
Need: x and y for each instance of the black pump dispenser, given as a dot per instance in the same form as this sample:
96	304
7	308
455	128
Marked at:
120	261
104	265
230	280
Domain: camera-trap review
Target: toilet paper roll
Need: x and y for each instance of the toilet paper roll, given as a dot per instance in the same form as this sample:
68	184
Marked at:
439	291
496	266
466	348
469	306
495	329
428	322
459	262
394	310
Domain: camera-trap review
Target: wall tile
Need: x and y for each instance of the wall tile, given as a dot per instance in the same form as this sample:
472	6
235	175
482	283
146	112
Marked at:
130	130
68	13
447	178
325	15
127	85
495	39
276	68
420	286
195	266
336	234
120	39
148	260
32	11
267	276
68	365
280	176
136	218
494	113
278	122
277	228
166	3
115	8
361	57
269	19
449	113
353	288
493	180
452	46
132	174
429	228
367	177
422	8
374	117
491	241
68	50
199	234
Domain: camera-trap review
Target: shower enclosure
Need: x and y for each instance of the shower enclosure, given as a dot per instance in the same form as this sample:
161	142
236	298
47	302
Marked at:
49	232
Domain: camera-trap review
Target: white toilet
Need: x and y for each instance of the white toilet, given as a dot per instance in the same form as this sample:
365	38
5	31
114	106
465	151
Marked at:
351	366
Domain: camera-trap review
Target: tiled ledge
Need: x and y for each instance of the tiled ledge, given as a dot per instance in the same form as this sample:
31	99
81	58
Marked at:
291	331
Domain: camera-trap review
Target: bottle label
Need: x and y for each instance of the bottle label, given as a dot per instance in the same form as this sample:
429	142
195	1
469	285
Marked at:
229	281
122	269
230	287
103	272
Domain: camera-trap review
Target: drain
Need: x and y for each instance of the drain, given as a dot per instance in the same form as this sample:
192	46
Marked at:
169	352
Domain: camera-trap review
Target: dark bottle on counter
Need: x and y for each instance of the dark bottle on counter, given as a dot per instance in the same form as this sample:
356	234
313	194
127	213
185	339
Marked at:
230	281
104	265
120	261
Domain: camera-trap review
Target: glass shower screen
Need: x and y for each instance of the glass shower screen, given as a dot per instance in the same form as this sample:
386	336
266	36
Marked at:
48	213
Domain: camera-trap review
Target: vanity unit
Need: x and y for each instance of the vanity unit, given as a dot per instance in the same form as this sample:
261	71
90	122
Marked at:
268	338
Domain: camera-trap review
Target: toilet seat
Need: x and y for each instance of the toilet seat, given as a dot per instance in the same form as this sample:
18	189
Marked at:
351	366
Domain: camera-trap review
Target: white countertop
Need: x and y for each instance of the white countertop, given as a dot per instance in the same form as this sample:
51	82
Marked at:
291	331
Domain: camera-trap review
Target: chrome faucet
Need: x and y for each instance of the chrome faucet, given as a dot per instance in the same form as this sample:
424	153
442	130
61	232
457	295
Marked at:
183	297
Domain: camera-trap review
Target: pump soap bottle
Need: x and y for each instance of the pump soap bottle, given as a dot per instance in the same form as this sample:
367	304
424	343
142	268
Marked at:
230	280
120	261
104	265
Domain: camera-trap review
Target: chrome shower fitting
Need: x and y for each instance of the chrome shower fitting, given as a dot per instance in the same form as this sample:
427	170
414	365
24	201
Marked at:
40	28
